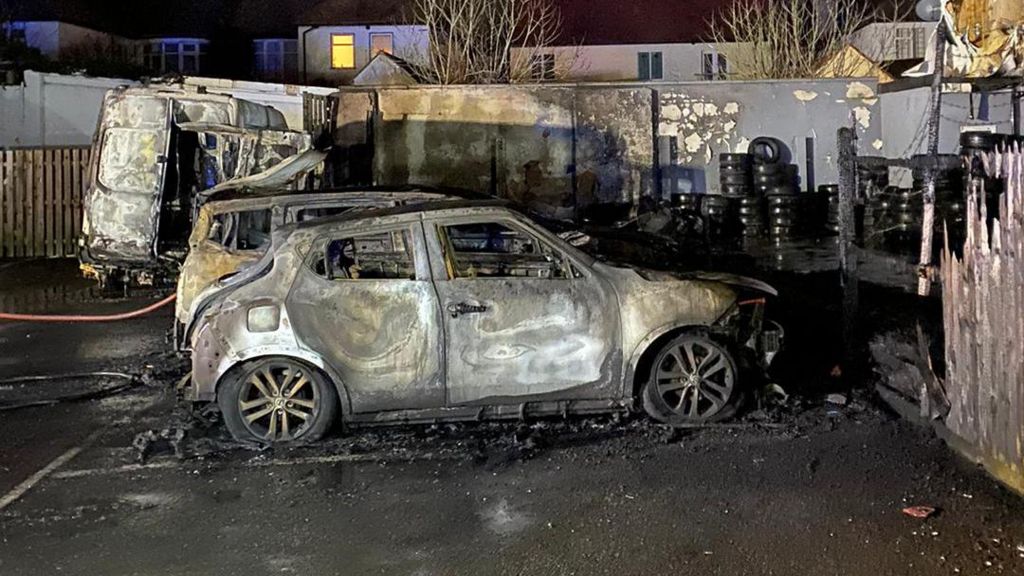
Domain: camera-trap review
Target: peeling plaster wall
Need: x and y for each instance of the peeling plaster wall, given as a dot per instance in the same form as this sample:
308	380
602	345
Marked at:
698	121
560	146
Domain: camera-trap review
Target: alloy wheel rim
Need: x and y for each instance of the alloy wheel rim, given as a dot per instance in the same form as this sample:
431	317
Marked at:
695	380
278	402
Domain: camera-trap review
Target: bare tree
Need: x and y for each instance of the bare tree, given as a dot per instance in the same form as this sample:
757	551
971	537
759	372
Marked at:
490	41
795	38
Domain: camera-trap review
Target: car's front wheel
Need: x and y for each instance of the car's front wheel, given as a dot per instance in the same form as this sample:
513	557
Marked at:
693	380
277	400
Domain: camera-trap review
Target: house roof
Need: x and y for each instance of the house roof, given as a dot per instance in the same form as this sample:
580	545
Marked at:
400	71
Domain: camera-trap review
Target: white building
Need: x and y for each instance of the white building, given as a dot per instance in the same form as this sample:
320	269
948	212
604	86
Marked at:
336	54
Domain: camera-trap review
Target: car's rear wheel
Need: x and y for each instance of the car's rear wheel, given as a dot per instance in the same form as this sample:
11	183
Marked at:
277	400
693	380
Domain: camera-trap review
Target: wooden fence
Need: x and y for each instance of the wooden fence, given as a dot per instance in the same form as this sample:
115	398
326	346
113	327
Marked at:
41	192
983	308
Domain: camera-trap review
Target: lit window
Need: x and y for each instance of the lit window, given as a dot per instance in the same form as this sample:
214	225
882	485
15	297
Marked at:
383	42
343	51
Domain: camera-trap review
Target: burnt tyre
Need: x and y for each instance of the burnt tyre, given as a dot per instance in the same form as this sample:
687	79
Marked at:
278	400
693	380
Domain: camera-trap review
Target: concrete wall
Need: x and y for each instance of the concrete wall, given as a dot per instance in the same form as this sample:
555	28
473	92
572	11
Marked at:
410	42
558	146
619	63
700	120
52	110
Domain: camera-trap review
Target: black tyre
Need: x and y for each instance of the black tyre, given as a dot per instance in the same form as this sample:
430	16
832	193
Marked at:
767	169
693	380
735	179
766	150
730	159
277	400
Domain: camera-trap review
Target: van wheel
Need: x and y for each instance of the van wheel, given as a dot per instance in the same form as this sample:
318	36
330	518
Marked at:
693	381
278	400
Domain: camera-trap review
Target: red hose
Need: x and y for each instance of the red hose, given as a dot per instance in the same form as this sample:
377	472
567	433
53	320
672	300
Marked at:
107	318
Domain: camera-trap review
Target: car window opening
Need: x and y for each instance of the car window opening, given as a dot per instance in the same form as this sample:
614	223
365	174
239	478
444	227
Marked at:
492	250
380	256
248	230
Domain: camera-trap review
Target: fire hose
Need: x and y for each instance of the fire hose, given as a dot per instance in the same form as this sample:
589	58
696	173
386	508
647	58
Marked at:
80	318
129	383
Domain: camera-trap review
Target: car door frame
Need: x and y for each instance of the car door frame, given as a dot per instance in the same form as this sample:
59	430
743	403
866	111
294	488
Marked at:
612	367
364	397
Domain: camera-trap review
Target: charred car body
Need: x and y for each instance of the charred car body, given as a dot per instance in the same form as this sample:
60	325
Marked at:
233	227
157	151
463	311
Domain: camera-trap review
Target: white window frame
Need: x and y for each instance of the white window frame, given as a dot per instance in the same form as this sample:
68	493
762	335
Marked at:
157	56
719	66
542	66
391	41
903	42
286	50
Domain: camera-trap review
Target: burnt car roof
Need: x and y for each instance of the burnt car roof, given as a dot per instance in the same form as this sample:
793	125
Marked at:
293	196
399	210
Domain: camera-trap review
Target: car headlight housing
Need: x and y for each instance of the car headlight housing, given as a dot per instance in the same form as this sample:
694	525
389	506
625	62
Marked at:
263	318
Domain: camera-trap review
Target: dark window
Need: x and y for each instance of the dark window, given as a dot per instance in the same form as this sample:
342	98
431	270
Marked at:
380	256
382	42
492	250
16	32
185	56
249	230
650	66
714	66
542	67
275	59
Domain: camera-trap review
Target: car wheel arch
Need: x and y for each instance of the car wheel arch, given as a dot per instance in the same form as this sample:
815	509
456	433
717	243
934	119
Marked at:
645	353
344	401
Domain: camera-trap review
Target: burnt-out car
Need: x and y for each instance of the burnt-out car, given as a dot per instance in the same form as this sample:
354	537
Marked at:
233	227
464	311
158	153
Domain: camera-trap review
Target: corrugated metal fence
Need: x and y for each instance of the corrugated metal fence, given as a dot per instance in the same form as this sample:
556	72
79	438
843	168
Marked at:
983	307
41	192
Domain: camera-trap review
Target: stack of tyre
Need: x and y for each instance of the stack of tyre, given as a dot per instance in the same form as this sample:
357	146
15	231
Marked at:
830	194
776	182
897	213
738	202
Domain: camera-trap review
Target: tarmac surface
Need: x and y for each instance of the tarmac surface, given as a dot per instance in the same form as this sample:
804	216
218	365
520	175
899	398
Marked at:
798	487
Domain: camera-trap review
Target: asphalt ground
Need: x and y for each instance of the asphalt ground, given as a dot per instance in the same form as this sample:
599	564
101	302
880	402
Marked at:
799	488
